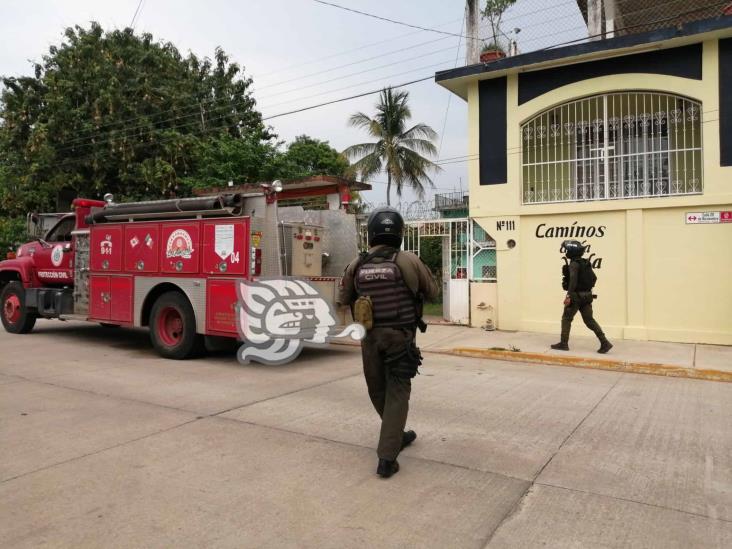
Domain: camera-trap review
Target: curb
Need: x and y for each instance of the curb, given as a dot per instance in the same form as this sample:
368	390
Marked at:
649	368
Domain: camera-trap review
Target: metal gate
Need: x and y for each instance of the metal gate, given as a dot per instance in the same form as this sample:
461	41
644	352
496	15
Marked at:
468	253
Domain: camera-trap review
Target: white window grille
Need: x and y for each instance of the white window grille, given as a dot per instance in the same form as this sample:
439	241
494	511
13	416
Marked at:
612	146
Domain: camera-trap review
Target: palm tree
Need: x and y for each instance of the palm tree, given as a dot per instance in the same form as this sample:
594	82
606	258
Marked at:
397	151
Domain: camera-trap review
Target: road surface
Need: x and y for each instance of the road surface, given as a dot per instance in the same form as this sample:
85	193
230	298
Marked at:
104	444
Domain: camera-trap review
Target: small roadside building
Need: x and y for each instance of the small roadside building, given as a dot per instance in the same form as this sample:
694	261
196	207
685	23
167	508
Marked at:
624	144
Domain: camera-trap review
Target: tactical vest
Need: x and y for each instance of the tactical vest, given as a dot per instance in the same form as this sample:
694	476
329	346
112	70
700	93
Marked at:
393	302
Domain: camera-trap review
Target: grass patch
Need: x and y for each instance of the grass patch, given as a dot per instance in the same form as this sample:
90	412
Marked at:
432	309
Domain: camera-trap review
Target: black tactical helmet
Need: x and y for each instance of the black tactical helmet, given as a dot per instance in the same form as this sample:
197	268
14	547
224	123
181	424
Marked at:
385	226
572	248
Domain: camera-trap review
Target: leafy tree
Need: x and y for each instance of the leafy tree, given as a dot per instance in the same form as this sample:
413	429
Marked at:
117	112
307	156
239	159
397	150
12	230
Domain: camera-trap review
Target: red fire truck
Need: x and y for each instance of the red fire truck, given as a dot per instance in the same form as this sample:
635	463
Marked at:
169	265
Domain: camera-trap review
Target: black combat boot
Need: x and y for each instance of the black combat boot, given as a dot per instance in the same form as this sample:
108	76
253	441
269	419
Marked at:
605	346
407	438
561	346
387	468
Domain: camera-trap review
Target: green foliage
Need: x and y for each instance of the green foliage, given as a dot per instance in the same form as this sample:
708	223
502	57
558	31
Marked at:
493	12
430	251
227	158
397	150
307	156
12	233
116	112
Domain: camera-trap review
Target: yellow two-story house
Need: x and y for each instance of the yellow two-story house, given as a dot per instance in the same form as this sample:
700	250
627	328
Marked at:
624	144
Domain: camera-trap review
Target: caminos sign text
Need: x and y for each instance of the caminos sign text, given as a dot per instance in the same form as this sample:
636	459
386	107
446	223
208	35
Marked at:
575	232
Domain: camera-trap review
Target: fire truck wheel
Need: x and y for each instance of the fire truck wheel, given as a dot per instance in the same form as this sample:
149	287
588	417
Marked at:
173	327
15	316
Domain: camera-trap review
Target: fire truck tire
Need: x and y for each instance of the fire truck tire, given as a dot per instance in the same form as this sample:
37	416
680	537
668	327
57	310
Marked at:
15	316
173	327
108	325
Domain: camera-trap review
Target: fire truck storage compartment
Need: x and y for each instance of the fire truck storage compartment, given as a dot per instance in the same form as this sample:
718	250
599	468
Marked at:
106	248
226	247
142	247
181	246
221	302
302	249
110	298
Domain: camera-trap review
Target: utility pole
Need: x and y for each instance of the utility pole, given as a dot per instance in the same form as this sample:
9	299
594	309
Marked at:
611	19
472	31
594	19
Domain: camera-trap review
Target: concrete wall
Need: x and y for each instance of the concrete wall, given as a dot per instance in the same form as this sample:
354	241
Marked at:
658	277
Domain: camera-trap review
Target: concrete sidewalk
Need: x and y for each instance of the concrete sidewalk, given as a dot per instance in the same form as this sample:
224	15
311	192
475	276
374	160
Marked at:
713	362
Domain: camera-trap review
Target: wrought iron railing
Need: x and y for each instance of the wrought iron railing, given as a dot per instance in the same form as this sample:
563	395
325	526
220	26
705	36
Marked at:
613	146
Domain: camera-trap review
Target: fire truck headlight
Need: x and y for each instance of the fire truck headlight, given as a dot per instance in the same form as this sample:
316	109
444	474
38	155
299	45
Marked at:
277	186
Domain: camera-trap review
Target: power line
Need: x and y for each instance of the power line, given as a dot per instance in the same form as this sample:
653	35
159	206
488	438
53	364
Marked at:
433	65
137	11
360	48
402	85
351	63
449	94
428	29
344	76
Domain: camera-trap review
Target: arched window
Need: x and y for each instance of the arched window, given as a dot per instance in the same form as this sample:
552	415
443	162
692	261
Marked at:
612	146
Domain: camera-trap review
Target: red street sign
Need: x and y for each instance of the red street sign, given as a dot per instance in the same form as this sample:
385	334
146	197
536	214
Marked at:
725	217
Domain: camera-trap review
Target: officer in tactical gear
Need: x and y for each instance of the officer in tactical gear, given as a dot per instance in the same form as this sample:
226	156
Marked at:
384	288
579	280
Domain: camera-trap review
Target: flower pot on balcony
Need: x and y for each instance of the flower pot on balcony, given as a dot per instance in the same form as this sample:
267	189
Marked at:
491	55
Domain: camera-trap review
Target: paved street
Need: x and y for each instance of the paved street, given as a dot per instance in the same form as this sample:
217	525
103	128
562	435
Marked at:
104	444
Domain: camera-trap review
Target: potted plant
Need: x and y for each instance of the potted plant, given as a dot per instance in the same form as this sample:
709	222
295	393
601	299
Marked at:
491	52
493	12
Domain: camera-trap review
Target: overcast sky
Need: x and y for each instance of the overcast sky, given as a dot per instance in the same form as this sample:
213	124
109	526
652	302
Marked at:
302	53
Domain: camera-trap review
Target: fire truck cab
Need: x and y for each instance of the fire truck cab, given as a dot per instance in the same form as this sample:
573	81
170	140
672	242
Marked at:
169	265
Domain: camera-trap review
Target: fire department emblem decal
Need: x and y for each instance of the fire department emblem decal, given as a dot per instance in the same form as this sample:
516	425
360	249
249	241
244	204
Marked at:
179	245
276	318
